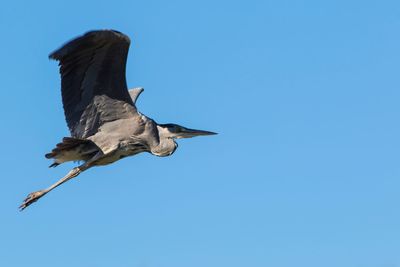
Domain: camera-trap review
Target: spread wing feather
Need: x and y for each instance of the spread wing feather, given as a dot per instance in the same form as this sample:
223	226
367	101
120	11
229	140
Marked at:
93	82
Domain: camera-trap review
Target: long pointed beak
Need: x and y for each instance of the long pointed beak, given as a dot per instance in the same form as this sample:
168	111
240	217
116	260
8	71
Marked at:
188	133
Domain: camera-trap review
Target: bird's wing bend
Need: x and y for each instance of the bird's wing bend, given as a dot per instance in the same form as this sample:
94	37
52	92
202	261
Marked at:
93	82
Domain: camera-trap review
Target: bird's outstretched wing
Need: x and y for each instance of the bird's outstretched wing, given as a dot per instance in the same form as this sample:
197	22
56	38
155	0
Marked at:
93	82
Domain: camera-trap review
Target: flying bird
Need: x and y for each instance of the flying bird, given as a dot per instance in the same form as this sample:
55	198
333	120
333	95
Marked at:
100	111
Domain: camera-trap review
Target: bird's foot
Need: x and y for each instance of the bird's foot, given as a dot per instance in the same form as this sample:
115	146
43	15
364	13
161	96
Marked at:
31	198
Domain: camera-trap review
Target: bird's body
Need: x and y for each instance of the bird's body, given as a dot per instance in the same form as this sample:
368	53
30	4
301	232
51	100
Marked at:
101	114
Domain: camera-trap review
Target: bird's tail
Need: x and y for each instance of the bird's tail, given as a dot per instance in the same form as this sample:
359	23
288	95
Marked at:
72	149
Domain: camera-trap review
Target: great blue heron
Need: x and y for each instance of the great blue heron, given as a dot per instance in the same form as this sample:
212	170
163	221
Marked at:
100	112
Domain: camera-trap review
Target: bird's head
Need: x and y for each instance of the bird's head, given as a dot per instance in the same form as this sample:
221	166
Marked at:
176	131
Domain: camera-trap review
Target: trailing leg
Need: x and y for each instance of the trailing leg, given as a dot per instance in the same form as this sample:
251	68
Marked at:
33	197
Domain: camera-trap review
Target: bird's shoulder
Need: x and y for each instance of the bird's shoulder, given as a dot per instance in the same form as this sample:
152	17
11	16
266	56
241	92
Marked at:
135	129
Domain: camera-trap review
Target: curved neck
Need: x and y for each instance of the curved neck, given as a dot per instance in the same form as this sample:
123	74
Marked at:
165	148
166	145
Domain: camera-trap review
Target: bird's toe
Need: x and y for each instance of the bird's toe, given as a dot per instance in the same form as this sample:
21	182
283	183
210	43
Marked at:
31	198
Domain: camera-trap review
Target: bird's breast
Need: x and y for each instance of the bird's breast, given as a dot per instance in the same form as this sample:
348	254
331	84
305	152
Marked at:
120	153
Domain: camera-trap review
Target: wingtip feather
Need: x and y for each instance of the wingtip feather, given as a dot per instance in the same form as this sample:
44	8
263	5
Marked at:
72	45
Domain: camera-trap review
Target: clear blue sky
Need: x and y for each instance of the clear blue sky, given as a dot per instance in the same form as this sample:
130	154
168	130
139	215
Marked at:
305	170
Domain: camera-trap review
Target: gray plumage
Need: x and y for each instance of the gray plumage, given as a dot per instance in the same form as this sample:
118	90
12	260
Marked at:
100	112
